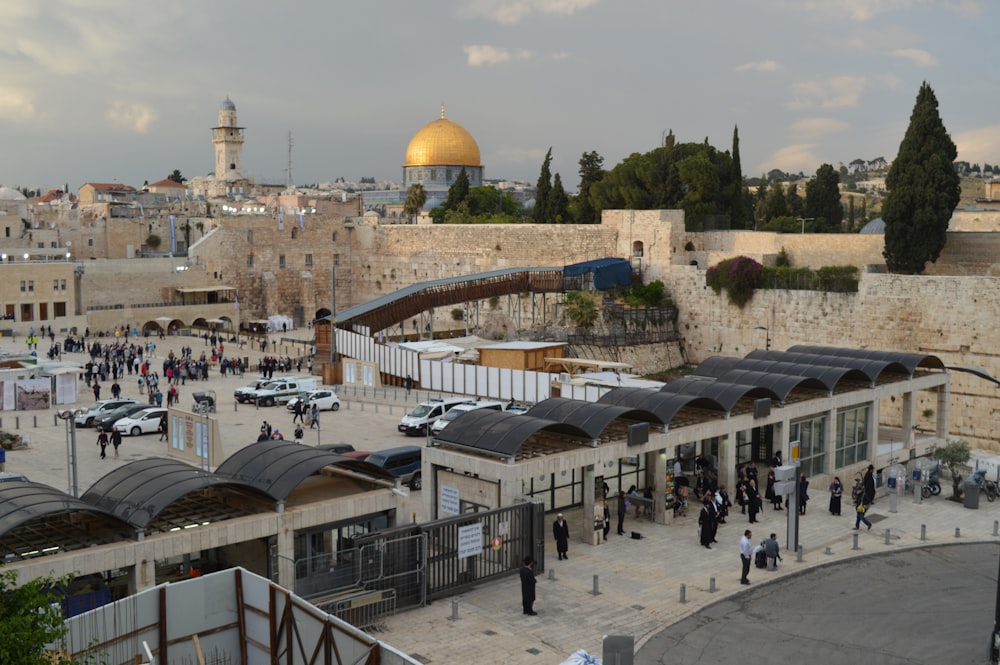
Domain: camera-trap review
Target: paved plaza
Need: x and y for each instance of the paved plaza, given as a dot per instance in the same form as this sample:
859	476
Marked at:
890	571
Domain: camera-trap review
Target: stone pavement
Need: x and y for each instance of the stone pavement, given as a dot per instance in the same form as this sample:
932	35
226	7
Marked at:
639	581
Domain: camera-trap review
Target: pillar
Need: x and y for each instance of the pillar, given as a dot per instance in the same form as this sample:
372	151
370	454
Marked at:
830	444
726	464
658	461
587	533
943	412
285	546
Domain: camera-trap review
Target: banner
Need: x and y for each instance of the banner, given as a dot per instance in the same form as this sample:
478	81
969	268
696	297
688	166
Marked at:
173	235
302	222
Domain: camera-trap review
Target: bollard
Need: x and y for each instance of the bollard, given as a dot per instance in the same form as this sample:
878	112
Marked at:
958	532
454	610
552	574
711	585
855	542
55	421
923	532
893	502
683	594
799	551
17	422
256	403
376	407
828	551
362	405
887	536
996	526
35	423
597	591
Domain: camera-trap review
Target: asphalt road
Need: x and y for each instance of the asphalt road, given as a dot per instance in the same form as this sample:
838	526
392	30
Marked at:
932	605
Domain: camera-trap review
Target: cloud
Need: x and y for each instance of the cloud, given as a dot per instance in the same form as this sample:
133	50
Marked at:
792	159
484	54
759	66
980	145
866	10
133	116
511	12
16	105
514	155
811	128
835	93
916	56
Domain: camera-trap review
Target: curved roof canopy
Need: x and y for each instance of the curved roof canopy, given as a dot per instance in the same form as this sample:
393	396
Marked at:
35	517
725	393
140	491
591	417
664	405
781	385
911	361
277	468
502	433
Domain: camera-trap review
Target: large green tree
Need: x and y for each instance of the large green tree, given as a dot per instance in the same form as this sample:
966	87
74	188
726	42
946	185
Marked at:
924	189
177	177
416	197
591	171
458	193
30	619
542	190
823	200
558	205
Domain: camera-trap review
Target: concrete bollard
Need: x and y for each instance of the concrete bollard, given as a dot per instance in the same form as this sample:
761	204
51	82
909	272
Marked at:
454	611
376	407
923	532
35	422
17	422
597	590
683	594
235	406
828	551
711	585
887	536
552	574
799	552
958	532
893	502
55	421
855	542
996	526
362	405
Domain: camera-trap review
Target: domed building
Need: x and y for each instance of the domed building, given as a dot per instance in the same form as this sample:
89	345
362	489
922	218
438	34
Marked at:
438	153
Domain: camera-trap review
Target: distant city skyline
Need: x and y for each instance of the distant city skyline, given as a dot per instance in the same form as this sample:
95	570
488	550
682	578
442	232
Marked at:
114	91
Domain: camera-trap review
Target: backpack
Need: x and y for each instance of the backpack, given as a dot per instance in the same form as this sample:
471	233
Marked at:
760	559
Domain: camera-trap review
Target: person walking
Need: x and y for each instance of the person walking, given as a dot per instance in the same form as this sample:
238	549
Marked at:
607	518
313	417
409	384
803	493
528	586
773	552
865	500
297	410
706	527
102	441
560	531
746	553
116	440
162	427
836	492
622	507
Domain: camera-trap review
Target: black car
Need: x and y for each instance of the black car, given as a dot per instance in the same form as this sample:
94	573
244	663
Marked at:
107	423
338	448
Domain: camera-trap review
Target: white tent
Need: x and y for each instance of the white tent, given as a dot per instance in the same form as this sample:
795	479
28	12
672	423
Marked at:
279	323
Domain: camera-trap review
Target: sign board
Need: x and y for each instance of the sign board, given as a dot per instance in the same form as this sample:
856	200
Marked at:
470	540
449	501
638	434
794	445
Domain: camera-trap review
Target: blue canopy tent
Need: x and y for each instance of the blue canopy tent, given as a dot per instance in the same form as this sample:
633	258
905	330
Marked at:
607	273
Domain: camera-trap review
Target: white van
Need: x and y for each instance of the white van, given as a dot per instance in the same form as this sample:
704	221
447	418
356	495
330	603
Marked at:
458	410
417	421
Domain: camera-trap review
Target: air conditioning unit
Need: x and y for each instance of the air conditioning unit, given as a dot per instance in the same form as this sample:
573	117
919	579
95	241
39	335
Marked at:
565	377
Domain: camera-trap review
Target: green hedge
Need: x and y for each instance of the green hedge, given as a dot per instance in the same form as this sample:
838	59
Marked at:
836	279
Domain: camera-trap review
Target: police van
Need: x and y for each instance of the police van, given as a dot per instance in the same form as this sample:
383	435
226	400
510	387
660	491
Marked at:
417	421
458	410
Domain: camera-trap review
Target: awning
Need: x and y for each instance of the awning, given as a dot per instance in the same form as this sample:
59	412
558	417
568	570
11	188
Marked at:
164	319
206	289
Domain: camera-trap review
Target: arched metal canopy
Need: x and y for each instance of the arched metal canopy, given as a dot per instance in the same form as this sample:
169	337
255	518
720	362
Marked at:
872	368
593	417
911	361
780	384
276	468
725	393
664	405
502	433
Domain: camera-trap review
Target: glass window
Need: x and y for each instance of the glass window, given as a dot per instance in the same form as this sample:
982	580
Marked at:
249	260
31	286
309	260
55	285
23	285
852	435
62	285
281	261
59	309
811	435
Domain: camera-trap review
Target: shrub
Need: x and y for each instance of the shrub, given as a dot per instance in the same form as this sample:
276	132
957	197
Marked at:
739	277
457	314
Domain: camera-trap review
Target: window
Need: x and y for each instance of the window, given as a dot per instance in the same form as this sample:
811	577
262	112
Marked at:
23	286
31	286
309	260
58	309
334	236
90	242
55	285
250	237
295	233
7	232
852	435
249	260
62	285
811	435
27	312
336	259
281	261
41	245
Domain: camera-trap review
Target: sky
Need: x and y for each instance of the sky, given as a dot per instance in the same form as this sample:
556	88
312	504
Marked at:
126	91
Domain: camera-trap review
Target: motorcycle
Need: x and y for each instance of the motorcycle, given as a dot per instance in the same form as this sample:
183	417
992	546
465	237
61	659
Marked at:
988	486
933	486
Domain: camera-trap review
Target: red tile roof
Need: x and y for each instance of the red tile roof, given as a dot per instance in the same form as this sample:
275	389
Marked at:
167	182
111	186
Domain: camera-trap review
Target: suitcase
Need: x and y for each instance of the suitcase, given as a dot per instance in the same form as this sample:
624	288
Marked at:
760	559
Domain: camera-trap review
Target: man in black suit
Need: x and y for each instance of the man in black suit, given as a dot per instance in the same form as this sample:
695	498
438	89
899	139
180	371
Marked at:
528	585
560	531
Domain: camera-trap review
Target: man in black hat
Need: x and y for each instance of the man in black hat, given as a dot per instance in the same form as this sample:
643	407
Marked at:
528	585
560	531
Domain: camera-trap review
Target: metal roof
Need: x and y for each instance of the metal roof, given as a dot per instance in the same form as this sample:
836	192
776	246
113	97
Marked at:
725	393
276	468
825	369
502	433
781	384
872	369
911	361
664	405
34	518
138	492
592	417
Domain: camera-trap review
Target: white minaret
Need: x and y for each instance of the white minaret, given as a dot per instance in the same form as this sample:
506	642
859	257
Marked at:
228	141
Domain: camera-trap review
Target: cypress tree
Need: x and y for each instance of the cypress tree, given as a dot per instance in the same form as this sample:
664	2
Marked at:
542	190
924	189
739	210
558	206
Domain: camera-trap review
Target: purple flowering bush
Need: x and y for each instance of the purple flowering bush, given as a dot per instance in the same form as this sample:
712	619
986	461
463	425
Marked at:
739	276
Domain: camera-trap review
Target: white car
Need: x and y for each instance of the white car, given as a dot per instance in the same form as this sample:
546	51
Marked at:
324	399
144	422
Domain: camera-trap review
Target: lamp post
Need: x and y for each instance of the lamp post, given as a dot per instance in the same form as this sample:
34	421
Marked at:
804	220
204	442
767	336
69	415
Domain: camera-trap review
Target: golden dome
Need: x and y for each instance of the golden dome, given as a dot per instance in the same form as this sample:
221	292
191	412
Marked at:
442	143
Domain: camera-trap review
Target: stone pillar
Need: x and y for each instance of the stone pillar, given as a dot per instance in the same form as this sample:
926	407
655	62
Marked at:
658	461
587	533
943	412
830	443
909	413
285	546
726	463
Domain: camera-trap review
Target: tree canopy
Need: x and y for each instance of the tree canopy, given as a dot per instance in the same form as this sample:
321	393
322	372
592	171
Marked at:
542	190
30	619
416	197
924	189
177	177
591	171
823	200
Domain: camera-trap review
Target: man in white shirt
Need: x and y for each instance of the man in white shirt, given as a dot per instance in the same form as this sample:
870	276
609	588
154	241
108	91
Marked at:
746	553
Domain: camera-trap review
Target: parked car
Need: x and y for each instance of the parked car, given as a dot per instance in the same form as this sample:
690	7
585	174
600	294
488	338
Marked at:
280	391
403	462
324	399
143	422
107	423
416	422
12	476
243	395
99	409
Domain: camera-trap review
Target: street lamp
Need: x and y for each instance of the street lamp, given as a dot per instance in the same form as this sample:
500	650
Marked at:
767	337
69	415
204	439
804	220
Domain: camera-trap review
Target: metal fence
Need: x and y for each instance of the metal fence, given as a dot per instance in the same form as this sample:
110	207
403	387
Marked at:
411	565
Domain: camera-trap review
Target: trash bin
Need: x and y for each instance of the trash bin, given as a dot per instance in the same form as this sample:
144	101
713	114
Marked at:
971	491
